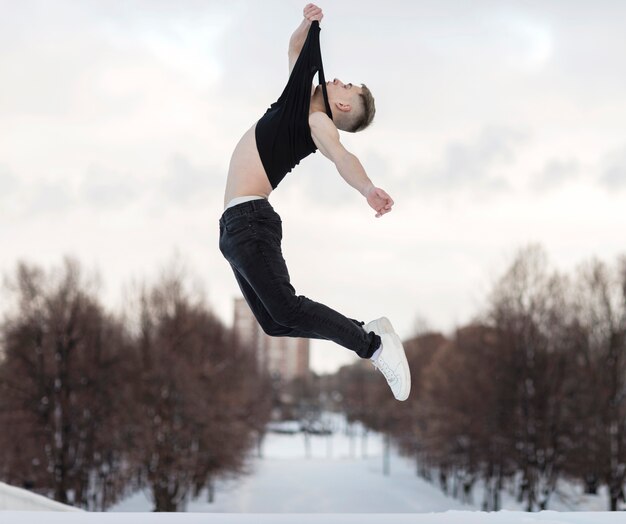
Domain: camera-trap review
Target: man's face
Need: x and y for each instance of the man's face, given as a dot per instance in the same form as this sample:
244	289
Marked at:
340	92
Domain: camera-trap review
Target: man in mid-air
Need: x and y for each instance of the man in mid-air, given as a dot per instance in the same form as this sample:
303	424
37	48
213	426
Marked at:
303	119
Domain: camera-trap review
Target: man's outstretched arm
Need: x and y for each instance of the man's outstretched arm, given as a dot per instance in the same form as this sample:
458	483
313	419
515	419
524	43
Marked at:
326	138
310	12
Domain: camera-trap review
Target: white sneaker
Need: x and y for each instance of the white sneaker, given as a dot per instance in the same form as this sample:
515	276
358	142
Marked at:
391	361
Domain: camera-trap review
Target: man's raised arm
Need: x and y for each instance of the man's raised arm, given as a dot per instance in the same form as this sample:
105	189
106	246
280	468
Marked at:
311	12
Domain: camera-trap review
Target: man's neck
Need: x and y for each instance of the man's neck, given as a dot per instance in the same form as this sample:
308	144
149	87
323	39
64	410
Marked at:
317	101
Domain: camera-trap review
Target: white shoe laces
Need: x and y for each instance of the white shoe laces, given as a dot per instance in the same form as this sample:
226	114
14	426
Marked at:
384	368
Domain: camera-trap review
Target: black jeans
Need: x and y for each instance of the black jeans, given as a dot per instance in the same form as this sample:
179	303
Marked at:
250	237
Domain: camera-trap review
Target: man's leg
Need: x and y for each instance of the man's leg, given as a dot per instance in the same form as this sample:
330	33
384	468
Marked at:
251	243
265	320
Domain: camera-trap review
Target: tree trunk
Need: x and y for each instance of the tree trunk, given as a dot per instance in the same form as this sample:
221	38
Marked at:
386	454
210	490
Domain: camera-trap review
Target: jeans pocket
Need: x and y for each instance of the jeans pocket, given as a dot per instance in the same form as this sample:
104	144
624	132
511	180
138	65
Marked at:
268	217
268	220
237	224
266	213
272	226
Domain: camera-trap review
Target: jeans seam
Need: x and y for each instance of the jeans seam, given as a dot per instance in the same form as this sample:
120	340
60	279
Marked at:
263	256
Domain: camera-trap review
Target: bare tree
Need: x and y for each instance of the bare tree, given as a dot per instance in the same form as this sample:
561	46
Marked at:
600	448
198	395
530	310
63	383
468	405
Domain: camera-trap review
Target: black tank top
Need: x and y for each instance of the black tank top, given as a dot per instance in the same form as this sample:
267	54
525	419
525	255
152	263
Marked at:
283	135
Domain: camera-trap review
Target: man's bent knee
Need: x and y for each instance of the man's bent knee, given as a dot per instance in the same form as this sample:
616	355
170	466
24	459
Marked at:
288	313
274	329
269	325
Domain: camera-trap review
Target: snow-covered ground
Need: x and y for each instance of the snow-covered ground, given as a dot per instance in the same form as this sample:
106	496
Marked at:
449	517
338	479
13	498
335	484
333	479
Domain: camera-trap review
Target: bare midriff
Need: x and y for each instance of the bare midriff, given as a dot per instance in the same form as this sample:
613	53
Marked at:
246	174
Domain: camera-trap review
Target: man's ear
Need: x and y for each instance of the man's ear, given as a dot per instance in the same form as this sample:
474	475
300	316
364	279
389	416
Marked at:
342	106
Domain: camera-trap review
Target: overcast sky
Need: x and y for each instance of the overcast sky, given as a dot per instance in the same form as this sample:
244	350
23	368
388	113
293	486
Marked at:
498	124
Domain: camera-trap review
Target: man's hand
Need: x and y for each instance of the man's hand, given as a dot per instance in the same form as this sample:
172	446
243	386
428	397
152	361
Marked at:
312	12
379	200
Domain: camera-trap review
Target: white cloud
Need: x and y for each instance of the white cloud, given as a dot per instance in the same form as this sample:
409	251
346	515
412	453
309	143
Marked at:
478	165
50	197
555	173
613	175
103	188
185	183
8	182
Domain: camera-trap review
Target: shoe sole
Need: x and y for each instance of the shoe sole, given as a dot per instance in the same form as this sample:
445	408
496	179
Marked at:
383	325
407	371
397	346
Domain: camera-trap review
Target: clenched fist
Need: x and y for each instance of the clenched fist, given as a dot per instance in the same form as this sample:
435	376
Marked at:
312	12
379	200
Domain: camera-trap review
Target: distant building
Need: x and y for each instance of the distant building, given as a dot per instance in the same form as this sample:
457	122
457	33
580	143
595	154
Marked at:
284	357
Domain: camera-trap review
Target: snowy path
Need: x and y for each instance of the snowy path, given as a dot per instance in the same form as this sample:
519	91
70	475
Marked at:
339	480
286	481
